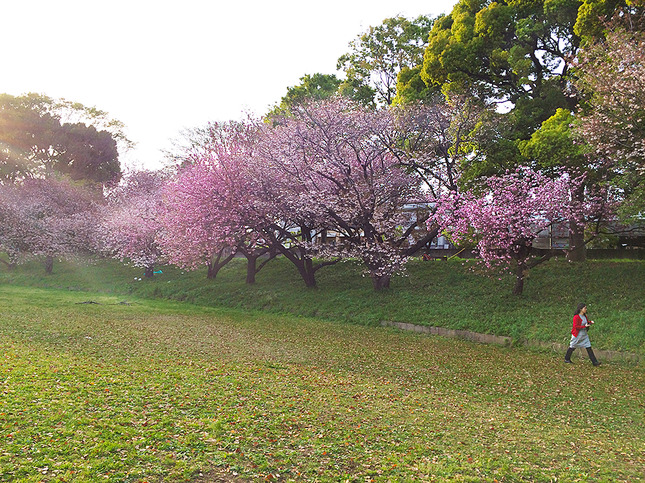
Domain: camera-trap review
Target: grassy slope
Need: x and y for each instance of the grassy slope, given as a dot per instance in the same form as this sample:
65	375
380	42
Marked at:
156	391
437	293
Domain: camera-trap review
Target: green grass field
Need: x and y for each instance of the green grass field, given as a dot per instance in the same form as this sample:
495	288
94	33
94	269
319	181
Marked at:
444	294
162	391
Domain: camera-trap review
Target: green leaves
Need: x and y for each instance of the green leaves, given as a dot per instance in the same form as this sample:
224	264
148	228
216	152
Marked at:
508	53
554	144
378	56
40	135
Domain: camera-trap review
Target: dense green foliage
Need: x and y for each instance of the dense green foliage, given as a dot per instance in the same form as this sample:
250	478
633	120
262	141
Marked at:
36	140
509	52
434	293
554	146
516	55
595	15
158	391
377	57
317	87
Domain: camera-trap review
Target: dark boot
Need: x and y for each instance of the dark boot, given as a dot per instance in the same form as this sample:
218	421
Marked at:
567	357
592	357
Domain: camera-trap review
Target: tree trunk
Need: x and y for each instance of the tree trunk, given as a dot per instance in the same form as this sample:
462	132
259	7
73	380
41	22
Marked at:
252	255
298	255
212	270
380	282
577	249
303	264
520	272
149	272
305	268
214	266
49	264
251	262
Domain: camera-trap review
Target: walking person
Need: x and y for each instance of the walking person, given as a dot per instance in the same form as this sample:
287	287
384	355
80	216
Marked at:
579	335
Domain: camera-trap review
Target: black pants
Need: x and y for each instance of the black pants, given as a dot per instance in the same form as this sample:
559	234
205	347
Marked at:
592	356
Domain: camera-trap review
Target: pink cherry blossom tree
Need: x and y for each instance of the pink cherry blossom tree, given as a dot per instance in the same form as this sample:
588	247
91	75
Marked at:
434	141
611	72
508	214
327	166
45	218
335	173
211	208
290	224
131	228
198	230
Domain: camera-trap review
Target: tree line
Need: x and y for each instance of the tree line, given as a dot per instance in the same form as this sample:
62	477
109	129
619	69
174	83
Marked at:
488	124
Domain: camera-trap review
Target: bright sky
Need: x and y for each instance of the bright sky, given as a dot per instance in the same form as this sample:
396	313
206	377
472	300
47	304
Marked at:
163	66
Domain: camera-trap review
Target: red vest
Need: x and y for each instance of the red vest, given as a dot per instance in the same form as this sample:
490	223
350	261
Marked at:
577	325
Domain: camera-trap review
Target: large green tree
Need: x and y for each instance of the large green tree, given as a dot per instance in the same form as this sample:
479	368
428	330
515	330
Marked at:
43	137
511	53
516	57
377	57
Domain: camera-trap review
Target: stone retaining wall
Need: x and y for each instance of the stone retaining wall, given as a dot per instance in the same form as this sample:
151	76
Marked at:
606	355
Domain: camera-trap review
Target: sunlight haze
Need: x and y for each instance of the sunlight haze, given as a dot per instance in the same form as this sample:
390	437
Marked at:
160	67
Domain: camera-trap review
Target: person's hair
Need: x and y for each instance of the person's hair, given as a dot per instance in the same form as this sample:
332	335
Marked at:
580	307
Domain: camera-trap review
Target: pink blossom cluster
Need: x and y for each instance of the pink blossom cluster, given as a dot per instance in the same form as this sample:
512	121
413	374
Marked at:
130	226
211	208
508	215
45	218
331	170
613	72
503	219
